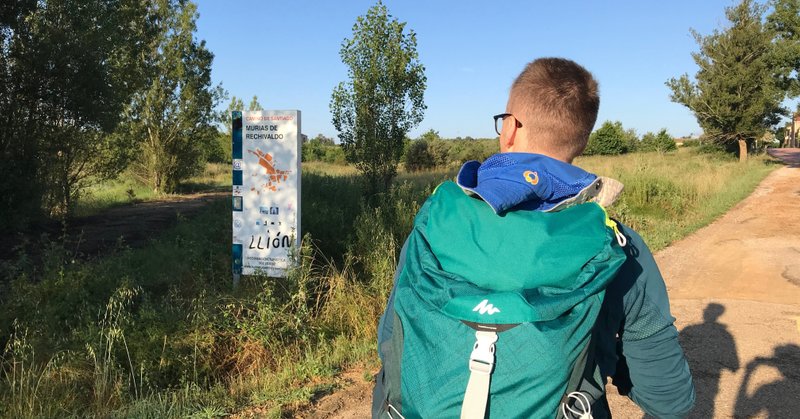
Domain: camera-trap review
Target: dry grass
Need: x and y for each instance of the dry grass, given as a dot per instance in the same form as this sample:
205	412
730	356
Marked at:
332	169
667	196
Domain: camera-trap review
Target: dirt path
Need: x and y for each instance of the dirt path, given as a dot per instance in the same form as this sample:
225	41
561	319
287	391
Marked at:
735	291
134	224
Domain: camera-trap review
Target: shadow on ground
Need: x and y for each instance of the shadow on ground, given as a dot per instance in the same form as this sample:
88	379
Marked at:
777	399
711	350
704	342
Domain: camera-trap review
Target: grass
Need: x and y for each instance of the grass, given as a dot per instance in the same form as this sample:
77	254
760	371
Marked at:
104	195
159	332
323	168
667	196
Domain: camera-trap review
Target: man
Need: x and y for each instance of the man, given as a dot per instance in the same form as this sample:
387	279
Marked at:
559	296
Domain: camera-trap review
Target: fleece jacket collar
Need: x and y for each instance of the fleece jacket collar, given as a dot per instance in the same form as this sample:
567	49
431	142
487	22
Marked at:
529	181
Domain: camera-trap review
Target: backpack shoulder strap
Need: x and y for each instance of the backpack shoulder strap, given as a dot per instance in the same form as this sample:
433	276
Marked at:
481	365
575	399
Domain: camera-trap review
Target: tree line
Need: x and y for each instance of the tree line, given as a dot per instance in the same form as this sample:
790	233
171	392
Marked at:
90	89
432	151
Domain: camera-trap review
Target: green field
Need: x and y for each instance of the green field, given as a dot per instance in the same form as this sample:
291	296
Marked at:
158	331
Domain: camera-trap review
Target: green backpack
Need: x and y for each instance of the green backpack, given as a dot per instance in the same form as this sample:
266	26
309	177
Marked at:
492	315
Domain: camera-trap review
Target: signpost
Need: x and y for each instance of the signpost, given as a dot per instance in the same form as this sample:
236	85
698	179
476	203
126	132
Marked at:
266	191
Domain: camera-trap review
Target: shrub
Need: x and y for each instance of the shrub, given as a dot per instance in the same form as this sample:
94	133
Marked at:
715	150
219	150
631	140
691	143
446	153
661	142
419	157
609	139
334	154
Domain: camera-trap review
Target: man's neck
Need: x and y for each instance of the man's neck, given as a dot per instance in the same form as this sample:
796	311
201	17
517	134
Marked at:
543	153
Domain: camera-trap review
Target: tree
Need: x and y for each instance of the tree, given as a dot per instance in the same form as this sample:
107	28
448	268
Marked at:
254	105
735	96
322	148
174	115
383	98
220	150
323	140
784	22
68	68
430	136
631	140
609	139
235	104
418	157
661	142
438	149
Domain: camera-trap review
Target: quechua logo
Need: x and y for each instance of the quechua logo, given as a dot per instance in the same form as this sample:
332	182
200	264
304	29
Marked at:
484	307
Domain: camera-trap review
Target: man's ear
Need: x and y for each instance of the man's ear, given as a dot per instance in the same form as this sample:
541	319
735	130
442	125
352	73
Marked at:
508	135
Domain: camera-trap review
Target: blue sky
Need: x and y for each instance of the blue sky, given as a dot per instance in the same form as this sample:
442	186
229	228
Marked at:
287	53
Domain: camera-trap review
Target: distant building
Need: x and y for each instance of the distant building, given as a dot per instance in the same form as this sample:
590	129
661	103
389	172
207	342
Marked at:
790	132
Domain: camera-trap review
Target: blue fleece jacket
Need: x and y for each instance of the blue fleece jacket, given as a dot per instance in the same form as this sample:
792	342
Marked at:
637	342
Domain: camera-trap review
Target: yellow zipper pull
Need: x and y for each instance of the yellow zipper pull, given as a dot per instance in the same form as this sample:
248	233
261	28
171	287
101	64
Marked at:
621	239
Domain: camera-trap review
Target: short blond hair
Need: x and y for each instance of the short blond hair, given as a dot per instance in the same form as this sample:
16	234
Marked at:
557	101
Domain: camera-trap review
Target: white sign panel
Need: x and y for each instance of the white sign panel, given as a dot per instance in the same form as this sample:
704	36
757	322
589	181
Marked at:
266	190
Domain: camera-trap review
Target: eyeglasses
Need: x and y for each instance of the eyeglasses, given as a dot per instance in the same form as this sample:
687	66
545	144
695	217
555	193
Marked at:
498	121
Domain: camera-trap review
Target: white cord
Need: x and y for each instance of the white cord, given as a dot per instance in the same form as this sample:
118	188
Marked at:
389	412
621	239
583	401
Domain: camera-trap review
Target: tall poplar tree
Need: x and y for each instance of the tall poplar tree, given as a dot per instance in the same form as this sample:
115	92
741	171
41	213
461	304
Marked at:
383	98
734	95
174	117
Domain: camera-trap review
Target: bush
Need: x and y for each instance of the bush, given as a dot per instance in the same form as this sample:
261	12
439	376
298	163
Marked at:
219	150
430	151
691	143
661	142
715	150
609	139
334	155
631	140
419	157
321	148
